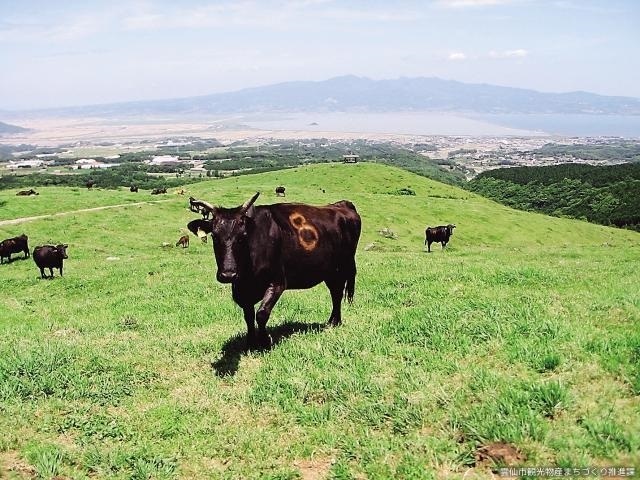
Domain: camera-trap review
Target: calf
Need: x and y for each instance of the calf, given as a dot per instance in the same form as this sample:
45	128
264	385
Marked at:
158	191
48	256
184	241
280	191
133	188
14	245
438	234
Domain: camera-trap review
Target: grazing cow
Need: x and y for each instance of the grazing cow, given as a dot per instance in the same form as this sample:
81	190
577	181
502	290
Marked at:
90	184
199	207
27	192
280	191
158	191
263	251
49	256
184	241
438	234
133	188
14	245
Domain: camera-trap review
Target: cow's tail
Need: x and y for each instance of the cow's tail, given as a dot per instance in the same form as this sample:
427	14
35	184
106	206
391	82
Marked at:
350	282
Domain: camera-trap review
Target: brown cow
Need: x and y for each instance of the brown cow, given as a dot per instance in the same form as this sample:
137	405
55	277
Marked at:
50	256
27	192
184	241
14	245
263	251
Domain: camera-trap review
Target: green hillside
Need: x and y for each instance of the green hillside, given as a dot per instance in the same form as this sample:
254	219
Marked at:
602	194
525	330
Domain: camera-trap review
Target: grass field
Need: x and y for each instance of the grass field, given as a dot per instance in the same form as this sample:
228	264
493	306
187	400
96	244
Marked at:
525	330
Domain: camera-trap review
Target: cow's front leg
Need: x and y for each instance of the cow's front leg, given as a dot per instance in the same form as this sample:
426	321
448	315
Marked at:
250	318
269	300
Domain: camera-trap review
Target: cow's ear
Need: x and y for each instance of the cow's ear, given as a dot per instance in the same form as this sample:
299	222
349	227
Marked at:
200	225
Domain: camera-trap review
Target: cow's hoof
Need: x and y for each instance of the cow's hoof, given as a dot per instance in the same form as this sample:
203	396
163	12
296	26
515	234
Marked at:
334	323
265	342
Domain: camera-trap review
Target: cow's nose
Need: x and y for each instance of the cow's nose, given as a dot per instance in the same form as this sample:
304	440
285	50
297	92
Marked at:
227	277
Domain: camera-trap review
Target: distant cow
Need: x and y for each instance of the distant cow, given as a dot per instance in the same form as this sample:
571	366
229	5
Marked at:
184	241
158	191
90	184
280	191
133	188
49	256
199	207
438	234
14	245
263	251
27	192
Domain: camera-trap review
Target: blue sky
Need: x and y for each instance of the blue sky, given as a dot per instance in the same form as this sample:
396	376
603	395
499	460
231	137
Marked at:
59	53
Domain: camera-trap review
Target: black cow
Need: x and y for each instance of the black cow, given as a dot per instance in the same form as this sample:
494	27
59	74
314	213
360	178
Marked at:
49	256
27	192
14	245
90	184
199	207
440	234
280	191
263	251
158	191
133	188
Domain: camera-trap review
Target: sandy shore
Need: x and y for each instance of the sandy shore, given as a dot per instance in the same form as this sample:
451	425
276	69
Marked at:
59	131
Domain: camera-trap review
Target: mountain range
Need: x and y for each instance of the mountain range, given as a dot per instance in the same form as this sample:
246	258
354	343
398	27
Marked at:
358	94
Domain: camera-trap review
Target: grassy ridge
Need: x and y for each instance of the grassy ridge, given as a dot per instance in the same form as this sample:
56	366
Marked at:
525	330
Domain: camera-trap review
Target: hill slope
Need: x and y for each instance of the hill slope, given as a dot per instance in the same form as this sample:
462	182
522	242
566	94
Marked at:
8	128
523	331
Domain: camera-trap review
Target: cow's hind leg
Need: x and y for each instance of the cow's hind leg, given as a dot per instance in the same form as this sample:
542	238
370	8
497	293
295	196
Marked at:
51	272
42	275
429	247
336	287
269	300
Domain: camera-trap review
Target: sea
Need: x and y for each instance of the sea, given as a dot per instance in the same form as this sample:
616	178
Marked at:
430	123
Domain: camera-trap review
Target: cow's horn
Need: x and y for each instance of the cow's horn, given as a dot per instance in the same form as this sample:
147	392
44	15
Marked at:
204	204
246	205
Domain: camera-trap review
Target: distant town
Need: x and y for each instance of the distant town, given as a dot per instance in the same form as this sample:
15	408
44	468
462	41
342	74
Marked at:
197	157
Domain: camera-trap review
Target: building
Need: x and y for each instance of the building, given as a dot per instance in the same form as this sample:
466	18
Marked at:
26	164
350	158
168	160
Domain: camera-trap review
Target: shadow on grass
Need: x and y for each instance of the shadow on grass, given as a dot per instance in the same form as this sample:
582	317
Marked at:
234	348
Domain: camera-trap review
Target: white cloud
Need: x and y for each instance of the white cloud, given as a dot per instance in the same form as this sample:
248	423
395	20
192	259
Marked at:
518	53
457	56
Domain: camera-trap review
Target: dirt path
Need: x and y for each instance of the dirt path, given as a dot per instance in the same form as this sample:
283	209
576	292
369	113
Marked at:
15	221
